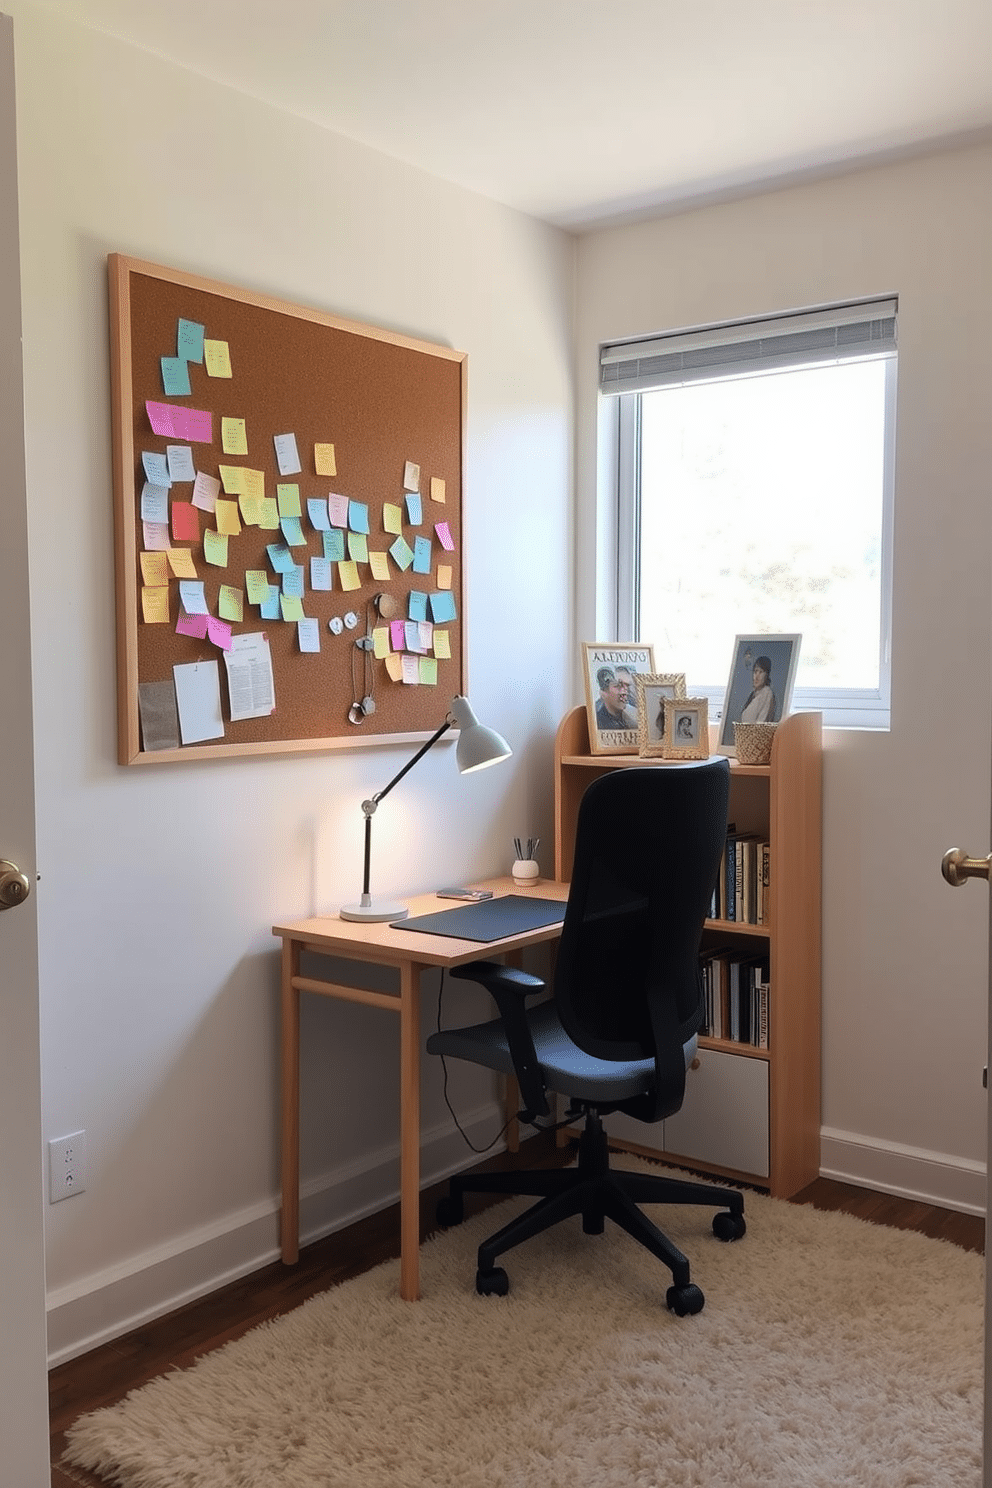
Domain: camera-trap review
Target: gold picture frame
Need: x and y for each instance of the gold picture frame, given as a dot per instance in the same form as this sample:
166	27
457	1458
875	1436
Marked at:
687	730
610	669
654	689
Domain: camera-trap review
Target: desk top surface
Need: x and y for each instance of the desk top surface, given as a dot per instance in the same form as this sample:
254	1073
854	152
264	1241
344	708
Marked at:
379	941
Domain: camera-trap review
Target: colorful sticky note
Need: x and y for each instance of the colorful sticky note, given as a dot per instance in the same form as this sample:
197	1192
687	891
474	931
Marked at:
154	503
175	377
226	513
219	632
270	605
155	536
348	575
411	636
394	666
308	634
333	544
444	536
233	436
156	468
287	455
175	422
317	512
254	483
292	531
321	573
414	508
257	585
444	576
411	476
324	462
443	607
392	517
292	580
358	516
288	497
337	507
291	606
397	634
442	644
189	341
280	557
410	666
428	671
233	477
250	508
416	605
181	563
217	355
155	604
192	625
179	458
379	564
230	603
192	596
185	522
268	514
422	555
358	547
437	489
155	568
380	642
402	553
215	548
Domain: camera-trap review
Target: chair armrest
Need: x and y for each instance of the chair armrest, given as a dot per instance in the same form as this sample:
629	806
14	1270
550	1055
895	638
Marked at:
510	987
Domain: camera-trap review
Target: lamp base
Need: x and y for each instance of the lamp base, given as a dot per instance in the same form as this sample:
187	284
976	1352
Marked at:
377	909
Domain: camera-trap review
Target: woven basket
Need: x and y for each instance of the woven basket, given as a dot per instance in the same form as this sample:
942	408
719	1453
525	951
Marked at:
753	742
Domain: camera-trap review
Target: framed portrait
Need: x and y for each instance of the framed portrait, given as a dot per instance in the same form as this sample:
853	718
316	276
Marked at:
687	729
653	690
759	690
610	669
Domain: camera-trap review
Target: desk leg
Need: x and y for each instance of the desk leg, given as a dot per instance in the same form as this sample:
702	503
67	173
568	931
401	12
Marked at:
410	1132
290	1104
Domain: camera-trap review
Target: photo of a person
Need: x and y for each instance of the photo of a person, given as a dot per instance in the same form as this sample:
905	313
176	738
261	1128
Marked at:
613	709
684	726
626	678
613	677
760	705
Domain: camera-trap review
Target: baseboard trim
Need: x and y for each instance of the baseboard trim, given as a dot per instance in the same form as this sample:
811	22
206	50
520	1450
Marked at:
109	1303
909	1172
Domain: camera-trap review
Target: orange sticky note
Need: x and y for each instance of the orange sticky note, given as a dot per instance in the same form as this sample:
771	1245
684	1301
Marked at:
323	459
437	489
155	604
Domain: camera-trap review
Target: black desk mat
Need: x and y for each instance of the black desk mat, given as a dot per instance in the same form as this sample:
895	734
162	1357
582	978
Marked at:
509	914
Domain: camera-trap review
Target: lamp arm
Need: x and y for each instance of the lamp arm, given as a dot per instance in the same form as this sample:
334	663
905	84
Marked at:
369	806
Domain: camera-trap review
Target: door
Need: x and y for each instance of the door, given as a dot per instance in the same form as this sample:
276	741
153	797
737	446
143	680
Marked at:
957	868
23	1383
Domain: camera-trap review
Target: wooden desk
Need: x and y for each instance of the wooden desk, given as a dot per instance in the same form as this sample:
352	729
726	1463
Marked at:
410	953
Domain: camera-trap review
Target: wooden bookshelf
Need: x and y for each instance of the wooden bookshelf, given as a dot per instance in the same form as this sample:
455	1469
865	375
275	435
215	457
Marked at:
749	1113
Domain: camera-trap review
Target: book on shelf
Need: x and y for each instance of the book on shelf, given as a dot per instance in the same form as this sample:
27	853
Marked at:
741	893
735	996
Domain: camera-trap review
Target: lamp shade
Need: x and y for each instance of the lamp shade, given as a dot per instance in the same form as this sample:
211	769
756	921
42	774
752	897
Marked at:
477	745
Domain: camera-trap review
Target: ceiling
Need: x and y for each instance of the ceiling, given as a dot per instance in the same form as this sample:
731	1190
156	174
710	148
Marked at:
586	111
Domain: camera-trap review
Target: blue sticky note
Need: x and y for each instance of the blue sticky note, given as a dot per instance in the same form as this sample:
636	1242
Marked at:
270	605
280	557
358	516
292	580
414	508
443	607
189	345
156	468
418	606
175	377
334	544
422	555
317	511
292	531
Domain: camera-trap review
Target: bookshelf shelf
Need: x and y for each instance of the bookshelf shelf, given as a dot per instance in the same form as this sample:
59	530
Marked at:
751	1113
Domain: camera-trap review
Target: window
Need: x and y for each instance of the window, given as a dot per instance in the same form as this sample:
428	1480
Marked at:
755	494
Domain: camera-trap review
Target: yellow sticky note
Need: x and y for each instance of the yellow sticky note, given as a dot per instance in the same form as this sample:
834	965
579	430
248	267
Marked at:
444	576
288	496
232	478
257	584
394	666
379	564
292	607
181	563
348	574
155	569
392	517
254	483
231	603
251	509
268	514
228	521
217	356
155	604
233	436
380	642
437	489
215	547
442	644
428	671
323	459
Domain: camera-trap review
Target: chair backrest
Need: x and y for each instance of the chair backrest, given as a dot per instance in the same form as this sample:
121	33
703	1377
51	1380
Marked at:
647	853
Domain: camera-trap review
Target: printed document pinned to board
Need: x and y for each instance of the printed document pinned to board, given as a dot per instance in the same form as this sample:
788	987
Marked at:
249	676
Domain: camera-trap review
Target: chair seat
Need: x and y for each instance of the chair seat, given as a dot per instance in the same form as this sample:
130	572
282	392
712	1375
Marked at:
566	1068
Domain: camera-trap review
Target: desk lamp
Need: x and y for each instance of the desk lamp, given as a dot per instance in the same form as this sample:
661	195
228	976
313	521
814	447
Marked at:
477	747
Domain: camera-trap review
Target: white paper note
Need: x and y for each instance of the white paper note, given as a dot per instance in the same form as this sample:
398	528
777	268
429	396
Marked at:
249	676
198	700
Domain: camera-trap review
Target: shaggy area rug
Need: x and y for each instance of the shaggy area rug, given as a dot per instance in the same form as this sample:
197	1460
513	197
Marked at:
830	1352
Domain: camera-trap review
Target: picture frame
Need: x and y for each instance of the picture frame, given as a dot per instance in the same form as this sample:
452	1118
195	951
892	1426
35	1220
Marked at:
609	669
740	704
687	729
654	689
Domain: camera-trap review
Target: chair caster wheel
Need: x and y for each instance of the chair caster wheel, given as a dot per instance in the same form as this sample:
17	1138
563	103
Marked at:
450	1211
684	1300
729	1226
492	1283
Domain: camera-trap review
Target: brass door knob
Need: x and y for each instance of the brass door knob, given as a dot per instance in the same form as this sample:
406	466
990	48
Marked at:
14	885
956	866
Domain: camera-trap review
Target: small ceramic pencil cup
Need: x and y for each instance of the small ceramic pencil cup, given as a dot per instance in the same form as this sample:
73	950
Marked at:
526	869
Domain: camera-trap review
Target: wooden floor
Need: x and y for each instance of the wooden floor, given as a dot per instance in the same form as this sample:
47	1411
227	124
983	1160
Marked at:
109	1372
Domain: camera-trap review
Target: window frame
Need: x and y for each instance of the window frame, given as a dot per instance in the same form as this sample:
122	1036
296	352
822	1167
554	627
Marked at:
868	708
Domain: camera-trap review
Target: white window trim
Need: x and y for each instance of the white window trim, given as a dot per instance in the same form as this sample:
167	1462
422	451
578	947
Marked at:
841	708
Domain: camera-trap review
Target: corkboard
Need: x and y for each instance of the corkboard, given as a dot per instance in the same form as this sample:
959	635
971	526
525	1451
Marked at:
381	400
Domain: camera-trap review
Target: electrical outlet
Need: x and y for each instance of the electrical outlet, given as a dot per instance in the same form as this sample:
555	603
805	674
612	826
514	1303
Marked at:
66	1166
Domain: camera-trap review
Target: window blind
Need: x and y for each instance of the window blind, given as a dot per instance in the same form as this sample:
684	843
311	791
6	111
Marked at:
744	348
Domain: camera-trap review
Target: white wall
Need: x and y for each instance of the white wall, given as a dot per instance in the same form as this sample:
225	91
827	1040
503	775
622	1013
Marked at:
904	966
159	885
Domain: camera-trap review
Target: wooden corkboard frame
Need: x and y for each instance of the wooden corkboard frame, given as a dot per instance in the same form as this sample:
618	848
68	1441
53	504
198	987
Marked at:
381	399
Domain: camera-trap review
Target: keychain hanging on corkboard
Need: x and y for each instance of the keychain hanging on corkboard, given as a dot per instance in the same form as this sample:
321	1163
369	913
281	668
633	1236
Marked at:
288	500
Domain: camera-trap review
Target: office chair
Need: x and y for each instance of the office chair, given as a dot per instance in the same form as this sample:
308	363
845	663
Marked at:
620	1029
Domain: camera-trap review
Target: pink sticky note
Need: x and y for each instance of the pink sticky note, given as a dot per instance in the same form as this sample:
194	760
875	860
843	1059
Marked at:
337	506
192	625
199	426
444	533
185	522
397	634
161	416
219	632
